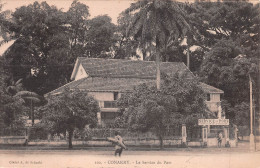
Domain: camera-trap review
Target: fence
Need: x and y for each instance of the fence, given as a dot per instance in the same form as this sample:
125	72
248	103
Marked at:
129	135
13	132
194	133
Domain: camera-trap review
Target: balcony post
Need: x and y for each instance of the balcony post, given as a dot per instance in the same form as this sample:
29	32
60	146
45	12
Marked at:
99	118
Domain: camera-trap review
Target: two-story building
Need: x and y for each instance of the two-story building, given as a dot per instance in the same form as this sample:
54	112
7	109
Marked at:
107	79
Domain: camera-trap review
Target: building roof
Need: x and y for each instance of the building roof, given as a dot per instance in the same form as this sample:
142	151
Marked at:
103	84
127	68
210	89
122	75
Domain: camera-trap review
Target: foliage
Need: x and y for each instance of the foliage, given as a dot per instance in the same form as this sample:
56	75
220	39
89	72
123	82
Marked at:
158	26
77	16
11	108
125	47
225	65
231	44
29	99
69	110
242	117
100	36
159	22
39	53
38	132
179	101
48	41
4	33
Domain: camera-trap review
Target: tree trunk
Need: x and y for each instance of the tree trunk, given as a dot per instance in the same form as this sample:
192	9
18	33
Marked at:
258	93
188	56
70	138
144	54
32	113
158	72
161	141
32	116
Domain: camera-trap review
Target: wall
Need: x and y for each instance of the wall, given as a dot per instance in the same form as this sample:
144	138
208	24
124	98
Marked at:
214	102
14	140
102	96
81	73
106	113
129	143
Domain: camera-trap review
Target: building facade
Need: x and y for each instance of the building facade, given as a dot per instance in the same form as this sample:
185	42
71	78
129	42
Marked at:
107	79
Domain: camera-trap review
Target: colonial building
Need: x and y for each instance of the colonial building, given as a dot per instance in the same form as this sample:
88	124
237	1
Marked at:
107	79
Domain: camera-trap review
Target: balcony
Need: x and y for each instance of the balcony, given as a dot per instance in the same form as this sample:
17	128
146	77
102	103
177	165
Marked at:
108	106
213	105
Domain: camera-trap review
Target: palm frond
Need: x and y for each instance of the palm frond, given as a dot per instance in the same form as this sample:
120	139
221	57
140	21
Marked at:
26	93
137	5
19	81
33	100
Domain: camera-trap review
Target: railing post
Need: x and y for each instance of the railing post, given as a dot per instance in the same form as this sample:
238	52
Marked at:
184	135
204	136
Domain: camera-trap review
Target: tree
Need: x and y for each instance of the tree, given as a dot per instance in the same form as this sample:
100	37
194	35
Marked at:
242	117
125	46
158	24
11	108
214	21
4	22
77	16
231	39
29	99
100	36
180	101
40	53
226	65
14	87
70	110
48	40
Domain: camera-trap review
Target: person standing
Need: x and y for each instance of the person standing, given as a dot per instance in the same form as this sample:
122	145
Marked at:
220	136
118	149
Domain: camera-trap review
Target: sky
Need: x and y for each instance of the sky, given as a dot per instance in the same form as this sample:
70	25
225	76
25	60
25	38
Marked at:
96	7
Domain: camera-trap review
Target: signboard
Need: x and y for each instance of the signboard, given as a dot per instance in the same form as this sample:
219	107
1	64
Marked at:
213	122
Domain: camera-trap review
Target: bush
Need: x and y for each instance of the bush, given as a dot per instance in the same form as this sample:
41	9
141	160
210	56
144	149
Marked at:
38	132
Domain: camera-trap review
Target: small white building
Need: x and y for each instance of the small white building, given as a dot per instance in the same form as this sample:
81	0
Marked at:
107	79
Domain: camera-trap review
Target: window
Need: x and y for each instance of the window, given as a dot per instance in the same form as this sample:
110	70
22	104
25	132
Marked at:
115	95
221	97
208	97
110	104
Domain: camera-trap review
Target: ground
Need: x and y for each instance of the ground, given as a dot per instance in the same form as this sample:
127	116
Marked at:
102	157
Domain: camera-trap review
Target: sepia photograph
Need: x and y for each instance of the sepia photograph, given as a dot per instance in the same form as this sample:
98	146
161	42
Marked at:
129	84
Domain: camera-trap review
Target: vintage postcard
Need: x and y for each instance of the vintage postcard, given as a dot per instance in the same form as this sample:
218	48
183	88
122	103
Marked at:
129	84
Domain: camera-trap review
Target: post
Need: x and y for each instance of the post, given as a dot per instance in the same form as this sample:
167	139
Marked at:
219	112
235	133
99	118
158	72
188	57
252	143
226	134
184	135
204	136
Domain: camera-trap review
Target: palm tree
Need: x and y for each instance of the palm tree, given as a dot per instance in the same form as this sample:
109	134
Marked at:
14	87
30	99
159	24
